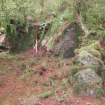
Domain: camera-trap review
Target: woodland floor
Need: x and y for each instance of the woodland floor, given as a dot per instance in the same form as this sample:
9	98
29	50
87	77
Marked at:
28	80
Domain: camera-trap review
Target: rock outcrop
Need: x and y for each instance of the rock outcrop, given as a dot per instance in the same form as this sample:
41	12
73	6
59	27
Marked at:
68	42
89	80
86	82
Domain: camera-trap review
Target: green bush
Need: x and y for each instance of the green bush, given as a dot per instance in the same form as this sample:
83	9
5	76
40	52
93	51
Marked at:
19	35
93	14
99	92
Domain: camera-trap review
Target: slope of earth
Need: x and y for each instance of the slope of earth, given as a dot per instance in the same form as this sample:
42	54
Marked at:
43	80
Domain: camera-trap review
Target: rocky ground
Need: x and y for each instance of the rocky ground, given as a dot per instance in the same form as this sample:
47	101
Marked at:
28	80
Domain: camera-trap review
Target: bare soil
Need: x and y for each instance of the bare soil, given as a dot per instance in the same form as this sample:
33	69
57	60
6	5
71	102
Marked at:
42	80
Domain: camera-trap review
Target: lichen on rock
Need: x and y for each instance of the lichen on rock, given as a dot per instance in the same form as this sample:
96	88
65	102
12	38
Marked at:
86	82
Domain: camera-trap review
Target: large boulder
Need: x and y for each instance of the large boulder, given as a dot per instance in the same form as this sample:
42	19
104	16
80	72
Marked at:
87	82
68	42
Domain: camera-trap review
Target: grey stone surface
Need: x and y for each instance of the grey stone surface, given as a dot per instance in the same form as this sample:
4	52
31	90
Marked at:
68	42
86	58
87	82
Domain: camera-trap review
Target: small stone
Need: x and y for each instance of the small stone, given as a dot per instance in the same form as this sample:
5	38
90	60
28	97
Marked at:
88	103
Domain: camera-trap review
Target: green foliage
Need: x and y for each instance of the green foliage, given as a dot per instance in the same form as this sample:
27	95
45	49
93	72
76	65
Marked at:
46	94
99	92
74	70
20	9
80	87
102	33
19	35
93	14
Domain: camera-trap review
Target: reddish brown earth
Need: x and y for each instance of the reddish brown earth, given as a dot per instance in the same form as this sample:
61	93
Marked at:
26	77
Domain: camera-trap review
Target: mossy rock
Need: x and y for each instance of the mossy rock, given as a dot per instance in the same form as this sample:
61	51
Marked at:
86	82
92	48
